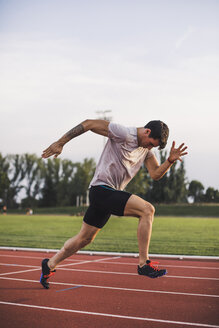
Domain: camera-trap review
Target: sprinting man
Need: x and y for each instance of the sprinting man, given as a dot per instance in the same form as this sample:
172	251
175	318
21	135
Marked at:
125	152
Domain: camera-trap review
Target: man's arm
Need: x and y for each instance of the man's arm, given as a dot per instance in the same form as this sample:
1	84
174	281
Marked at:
157	171
97	126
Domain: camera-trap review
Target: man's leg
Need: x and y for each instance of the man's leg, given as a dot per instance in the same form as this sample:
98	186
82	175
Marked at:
72	245
138	207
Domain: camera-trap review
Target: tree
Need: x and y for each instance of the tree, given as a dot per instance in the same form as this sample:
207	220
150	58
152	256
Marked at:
33	179
50	174
58	182
211	195
177	185
172	187
83	175
16	175
159	189
4	180
196	190
64	189
64	180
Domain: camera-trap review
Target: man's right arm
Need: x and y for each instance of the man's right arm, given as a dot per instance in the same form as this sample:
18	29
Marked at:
97	126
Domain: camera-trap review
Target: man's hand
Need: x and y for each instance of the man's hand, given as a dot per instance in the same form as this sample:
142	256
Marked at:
54	149
177	153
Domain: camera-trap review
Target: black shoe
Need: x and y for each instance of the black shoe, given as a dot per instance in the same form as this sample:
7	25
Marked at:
149	270
46	273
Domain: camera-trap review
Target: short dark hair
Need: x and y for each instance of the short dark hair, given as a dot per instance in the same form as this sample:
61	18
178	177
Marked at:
159	130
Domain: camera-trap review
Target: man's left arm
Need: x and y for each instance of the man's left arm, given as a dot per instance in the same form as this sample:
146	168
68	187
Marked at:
157	171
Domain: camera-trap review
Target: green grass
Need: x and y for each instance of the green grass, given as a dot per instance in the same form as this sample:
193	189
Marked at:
182	210
171	235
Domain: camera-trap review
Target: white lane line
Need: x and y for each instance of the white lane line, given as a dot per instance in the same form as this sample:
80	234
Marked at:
21	256
115	288
60	267
170	266
135	274
110	315
23	271
198	278
122	263
88	261
106	272
19	265
34	257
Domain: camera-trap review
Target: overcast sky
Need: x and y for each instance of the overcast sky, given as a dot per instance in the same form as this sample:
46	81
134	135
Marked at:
62	61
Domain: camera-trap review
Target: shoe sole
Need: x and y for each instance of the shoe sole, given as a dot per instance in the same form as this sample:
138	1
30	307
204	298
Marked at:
153	277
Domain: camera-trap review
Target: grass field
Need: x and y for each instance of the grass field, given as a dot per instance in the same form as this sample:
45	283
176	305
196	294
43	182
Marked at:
182	210
187	236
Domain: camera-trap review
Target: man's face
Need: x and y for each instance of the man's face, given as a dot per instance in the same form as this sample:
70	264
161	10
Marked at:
148	142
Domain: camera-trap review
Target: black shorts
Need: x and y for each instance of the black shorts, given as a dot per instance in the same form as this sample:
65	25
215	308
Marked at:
105	201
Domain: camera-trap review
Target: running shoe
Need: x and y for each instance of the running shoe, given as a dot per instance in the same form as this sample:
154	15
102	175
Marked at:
46	274
150	270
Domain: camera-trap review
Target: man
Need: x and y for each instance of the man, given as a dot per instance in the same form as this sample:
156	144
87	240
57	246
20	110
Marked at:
125	152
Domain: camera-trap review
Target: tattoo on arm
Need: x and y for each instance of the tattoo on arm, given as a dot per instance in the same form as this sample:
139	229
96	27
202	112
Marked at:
76	131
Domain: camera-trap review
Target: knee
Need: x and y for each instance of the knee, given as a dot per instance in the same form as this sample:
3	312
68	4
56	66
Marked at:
148	210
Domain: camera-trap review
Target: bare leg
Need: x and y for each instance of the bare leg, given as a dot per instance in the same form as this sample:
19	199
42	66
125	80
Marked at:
138	207
72	245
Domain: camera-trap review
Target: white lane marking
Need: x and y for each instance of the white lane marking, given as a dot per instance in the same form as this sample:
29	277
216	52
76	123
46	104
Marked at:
171	266
22	256
19	265
198	278
23	271
115	288
61	266
88	261
110	315
122	263
33	257
135	274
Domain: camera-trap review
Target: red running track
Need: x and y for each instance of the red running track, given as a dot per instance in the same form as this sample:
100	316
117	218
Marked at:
105	291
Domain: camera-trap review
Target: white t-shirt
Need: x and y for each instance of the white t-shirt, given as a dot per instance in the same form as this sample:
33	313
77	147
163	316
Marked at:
121	158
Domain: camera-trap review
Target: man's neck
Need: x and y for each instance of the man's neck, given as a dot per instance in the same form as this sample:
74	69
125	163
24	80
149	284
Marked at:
139	135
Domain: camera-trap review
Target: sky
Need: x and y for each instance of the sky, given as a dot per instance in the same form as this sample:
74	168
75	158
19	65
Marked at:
63	61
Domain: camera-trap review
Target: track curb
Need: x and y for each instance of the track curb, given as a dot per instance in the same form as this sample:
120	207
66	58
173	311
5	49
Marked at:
167	256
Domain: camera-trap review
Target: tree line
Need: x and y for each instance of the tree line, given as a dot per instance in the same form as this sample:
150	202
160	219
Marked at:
29	181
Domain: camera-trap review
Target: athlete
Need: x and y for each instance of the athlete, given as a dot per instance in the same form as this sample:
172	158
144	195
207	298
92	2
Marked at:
125	152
